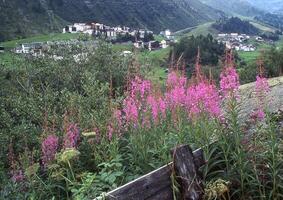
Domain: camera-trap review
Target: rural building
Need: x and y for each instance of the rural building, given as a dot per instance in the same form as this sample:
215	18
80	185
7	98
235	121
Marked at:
2	49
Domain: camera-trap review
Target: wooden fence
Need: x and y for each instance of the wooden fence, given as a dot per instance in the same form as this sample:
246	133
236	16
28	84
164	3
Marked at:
158	184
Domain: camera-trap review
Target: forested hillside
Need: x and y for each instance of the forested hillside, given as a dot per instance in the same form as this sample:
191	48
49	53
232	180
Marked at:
235	25
52	14
21	18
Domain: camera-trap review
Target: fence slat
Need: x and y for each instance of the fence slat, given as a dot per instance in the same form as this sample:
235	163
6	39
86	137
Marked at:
153	186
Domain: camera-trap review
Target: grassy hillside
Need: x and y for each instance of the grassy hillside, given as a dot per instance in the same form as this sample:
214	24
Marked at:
23	18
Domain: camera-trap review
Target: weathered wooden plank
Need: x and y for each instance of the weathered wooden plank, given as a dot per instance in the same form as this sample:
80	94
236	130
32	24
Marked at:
153	186
144	187
187	173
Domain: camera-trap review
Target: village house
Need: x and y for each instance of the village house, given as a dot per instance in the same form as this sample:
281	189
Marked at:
152	45
139	44
30	48
163	44
236	41
2	49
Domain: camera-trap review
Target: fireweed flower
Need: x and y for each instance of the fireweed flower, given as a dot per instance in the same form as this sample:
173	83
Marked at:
49	148
261	91
176	90
203	98
110	132
261	88
154	107
139	88
258	115
17	176
131	111
229	82
72	137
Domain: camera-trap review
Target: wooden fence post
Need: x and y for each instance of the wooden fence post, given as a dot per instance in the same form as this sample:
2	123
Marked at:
187	173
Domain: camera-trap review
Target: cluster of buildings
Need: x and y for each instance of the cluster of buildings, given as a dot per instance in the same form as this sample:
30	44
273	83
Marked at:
35	48
236	41
38	48
153	45
98	29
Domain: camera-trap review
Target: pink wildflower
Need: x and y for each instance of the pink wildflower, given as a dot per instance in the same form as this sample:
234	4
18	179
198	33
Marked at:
153	103
176	94
17	176
162	107
131	110
261	88
229	82
72	137
110	132
258	115
203	98
49	148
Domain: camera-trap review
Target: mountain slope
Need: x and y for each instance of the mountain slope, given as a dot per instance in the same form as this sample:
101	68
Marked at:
152	14
26	17
155	15
234	7
268	5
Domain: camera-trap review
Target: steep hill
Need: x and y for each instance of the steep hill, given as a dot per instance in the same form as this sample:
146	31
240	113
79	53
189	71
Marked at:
24	17
234	7
268	5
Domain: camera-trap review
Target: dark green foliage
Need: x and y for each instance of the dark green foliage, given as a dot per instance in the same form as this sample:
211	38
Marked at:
271	36
39	92
235	25
210	50
274	62
24	18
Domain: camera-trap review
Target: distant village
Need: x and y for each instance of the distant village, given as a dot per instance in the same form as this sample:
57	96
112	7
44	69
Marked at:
238	42
139	38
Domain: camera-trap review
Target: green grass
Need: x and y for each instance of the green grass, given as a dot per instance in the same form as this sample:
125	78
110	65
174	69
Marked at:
203	29
157	63
40	38
158	38
249	57
9	59
123	47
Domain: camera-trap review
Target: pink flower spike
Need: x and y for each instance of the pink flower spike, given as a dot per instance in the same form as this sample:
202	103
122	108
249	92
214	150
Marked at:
72	137
49	148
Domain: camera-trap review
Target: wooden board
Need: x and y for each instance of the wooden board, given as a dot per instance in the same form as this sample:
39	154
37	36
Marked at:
153	186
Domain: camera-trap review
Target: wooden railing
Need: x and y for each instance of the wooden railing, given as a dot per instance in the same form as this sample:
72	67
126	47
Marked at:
158	184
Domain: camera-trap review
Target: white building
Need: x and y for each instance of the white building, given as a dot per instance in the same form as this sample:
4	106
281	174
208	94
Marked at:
139	44
163	44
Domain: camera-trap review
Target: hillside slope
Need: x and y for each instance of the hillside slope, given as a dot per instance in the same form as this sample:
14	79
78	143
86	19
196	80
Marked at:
234	7
268	5
26	17
23	17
